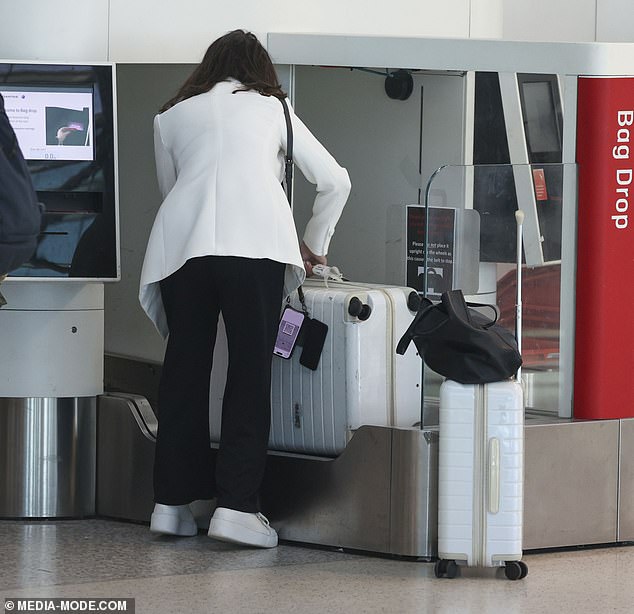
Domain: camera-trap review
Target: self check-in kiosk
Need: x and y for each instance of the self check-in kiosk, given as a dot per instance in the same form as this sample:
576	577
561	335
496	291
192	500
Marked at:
51	363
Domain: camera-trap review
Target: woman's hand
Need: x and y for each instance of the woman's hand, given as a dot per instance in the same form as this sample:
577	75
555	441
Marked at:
310	259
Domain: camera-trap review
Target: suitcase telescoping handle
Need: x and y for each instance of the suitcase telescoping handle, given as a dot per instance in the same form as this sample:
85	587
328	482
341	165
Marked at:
519	219
493	477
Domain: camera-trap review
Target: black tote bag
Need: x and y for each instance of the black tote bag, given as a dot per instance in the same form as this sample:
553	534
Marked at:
460	343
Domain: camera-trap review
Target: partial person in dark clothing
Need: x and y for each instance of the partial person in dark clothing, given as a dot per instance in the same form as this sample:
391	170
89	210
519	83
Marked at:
20	214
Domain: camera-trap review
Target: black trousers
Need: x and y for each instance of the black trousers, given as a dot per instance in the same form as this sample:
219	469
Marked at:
248	293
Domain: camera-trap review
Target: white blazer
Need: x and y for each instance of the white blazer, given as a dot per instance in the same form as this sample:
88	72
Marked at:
220	163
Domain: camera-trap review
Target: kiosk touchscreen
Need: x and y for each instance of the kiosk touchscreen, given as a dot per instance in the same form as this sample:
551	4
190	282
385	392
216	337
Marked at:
51	123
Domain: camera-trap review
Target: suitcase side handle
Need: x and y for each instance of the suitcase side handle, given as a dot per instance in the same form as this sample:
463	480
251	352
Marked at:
493	481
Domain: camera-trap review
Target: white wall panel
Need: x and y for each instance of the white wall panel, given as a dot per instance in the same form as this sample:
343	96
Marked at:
550	20
486	19
146	31
615	21
149	31
396	18
68	30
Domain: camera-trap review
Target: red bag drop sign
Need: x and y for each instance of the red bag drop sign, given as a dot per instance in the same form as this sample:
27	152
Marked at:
604	338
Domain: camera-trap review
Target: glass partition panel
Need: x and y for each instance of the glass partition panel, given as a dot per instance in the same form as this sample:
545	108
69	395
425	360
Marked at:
467	229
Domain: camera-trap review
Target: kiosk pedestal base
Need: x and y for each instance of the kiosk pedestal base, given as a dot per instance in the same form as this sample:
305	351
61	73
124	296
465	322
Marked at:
47	457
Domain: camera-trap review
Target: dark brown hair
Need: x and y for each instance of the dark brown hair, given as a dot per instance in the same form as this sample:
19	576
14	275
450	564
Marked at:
237	54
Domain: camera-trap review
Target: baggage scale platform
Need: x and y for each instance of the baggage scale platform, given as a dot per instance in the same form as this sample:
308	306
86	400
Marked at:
380	494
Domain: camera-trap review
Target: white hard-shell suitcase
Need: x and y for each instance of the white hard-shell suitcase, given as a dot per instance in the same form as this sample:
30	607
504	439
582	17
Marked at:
481	468
481	477
360	380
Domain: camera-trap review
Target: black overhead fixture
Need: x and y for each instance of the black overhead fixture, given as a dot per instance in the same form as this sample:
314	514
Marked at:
399	85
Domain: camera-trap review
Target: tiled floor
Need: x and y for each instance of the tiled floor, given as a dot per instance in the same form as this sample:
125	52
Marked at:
99	558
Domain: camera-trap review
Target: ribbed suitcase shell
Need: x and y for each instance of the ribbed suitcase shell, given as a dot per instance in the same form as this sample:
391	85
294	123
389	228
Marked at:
481	473
359	380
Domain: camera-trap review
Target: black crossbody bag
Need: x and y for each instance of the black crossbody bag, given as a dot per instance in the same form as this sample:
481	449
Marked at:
312	335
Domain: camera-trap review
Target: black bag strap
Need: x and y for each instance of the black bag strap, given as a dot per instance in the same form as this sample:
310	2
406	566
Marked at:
493	308
406	339
288	159
455	306
288	174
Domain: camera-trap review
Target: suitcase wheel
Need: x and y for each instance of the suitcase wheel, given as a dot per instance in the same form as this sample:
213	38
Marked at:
444	567
515	570
440	568
452	569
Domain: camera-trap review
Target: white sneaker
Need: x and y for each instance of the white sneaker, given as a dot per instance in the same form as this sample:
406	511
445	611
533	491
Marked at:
173	520
242	528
